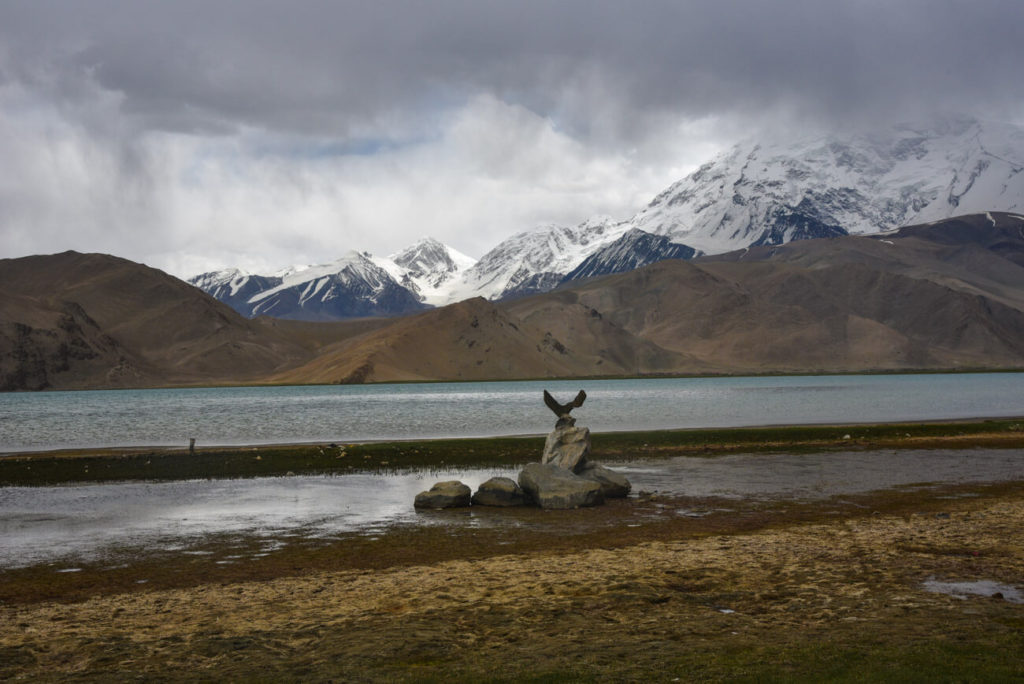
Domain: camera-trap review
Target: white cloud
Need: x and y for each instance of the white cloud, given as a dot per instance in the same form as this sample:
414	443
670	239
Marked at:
188	202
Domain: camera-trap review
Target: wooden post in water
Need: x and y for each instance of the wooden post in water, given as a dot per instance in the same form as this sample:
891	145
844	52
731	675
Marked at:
192	445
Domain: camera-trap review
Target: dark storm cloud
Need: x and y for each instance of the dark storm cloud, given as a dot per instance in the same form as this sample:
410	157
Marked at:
598	68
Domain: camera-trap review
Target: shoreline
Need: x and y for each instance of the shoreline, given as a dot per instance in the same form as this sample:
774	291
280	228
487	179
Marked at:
170	463
642	376
71	451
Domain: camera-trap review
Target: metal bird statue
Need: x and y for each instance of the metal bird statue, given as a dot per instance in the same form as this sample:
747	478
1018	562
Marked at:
562	410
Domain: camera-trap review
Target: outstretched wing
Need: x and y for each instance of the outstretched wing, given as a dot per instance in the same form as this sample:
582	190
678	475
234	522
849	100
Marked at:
563	409
578	401
552	404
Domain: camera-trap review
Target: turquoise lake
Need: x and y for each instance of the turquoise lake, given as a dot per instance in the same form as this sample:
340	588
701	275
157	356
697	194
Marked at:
350	413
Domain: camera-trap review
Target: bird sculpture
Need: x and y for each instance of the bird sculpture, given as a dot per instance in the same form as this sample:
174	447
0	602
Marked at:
562	410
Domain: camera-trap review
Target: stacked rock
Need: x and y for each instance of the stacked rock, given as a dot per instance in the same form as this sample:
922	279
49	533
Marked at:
565	477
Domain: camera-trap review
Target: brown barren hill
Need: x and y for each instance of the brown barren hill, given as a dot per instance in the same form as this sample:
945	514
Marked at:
75	320
472	340
948	295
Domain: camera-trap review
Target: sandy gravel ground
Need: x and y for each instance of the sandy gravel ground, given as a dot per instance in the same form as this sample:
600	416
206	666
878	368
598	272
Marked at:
651	609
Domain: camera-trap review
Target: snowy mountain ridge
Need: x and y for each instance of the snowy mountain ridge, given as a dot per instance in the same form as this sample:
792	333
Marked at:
357	284
534	261
760	193
756	193
635	248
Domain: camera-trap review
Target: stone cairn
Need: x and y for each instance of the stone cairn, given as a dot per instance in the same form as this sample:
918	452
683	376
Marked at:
564	478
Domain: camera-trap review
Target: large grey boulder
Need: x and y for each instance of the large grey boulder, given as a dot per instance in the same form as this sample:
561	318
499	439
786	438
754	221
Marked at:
567	446
451	494
500	491
553	487
614	485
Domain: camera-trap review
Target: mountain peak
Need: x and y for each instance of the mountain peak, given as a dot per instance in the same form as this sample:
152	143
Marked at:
824	186
429	268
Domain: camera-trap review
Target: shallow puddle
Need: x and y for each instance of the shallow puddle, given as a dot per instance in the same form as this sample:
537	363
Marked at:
987	588
66	525
822	475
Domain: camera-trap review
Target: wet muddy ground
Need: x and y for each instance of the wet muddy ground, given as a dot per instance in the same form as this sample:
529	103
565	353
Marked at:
62	527
855	564
653	588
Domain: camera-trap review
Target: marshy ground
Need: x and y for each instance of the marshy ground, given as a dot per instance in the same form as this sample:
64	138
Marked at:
651	588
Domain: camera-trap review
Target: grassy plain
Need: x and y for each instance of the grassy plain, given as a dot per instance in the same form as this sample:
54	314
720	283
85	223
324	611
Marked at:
651	588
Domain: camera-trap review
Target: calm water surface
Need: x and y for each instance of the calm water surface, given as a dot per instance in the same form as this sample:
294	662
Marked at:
77	523
263	415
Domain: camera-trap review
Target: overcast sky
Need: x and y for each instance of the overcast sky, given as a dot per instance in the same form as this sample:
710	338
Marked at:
197	134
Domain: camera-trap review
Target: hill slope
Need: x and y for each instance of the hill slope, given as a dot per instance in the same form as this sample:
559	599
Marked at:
946	295
90	320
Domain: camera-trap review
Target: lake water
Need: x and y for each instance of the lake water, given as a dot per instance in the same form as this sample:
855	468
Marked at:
351	413
112	522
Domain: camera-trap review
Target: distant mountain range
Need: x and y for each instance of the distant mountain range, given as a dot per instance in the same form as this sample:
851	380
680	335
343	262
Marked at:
755	194
354	286
944	295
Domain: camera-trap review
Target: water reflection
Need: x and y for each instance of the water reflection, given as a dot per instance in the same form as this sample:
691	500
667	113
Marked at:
83	522
987	588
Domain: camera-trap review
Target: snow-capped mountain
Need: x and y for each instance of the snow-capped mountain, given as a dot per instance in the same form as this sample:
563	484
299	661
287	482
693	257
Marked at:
535	261
356	285
235	287
429	268
351	287
634	249
757	193
761	193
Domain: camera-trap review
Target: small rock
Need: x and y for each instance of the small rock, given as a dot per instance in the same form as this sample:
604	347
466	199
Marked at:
614	485
553	487
500	491
450	494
